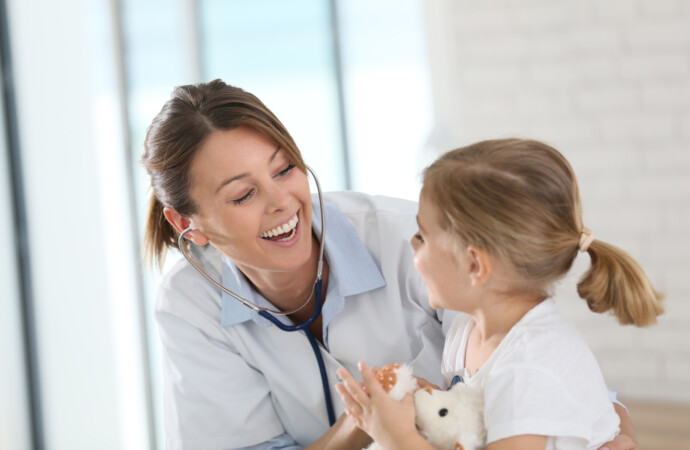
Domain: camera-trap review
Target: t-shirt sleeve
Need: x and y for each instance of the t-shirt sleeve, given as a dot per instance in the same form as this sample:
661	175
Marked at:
212	397
526	400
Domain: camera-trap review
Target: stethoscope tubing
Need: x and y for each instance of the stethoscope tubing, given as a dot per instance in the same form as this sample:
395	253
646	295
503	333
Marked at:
268	313
314	345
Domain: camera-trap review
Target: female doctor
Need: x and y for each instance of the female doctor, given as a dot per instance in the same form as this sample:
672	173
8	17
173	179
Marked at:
230	189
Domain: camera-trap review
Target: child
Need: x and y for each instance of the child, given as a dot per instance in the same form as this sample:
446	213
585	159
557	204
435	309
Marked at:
499	223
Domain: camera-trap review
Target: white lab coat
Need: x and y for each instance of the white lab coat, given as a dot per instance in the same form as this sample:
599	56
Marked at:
233	380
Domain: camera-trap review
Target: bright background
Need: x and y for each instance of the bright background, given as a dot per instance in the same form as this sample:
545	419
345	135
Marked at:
371	91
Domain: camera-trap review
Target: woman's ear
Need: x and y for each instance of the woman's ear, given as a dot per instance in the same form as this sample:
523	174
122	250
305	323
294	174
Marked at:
181	223
479	263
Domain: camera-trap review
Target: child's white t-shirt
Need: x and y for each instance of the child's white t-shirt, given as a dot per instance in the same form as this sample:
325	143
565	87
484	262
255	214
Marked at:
542	379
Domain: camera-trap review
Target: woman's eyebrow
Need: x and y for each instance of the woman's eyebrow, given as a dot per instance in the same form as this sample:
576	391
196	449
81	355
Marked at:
230	180
273	156
242	175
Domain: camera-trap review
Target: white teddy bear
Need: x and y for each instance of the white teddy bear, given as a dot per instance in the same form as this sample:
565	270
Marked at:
449	420
452	419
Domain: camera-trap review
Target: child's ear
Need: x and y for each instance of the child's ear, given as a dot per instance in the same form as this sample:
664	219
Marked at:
181	223
479	266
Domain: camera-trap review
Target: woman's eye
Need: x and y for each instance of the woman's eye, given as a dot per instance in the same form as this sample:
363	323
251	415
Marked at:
419	237
286	171
245	197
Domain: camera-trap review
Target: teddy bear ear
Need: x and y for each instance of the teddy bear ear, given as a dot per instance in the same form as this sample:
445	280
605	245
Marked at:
388	376
458	446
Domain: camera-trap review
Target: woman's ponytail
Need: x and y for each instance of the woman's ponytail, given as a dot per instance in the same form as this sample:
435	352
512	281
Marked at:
616	282
158	234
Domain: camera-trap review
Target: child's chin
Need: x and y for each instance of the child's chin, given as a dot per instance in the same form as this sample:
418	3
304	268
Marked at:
434	304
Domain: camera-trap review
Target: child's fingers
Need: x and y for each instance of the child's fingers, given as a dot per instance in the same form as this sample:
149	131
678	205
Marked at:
352	408
355	418
353	388
344	394
372	386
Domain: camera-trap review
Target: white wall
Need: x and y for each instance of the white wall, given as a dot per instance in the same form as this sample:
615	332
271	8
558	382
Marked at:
607	83
78	224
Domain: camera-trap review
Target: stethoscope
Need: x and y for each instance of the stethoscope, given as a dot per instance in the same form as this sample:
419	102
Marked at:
268	313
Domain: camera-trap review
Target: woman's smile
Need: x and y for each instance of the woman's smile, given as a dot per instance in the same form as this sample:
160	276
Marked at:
282	232
286	234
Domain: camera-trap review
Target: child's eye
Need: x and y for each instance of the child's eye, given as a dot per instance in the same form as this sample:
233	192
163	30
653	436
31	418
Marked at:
419	237
244	198
286	171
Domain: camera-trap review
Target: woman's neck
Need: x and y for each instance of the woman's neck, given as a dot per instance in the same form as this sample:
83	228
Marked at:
288	290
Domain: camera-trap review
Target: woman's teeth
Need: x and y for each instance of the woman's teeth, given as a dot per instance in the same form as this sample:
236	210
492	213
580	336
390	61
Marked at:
282	229
289	237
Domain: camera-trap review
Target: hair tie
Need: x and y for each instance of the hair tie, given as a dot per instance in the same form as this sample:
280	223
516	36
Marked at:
586	239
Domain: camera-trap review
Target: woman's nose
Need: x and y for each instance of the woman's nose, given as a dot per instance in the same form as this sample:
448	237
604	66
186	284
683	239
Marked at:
278	197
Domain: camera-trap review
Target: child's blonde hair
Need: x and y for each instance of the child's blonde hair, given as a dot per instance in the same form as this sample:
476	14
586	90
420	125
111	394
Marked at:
518	199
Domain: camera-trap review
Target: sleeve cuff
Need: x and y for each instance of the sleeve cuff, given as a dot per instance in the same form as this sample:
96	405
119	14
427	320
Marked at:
613	397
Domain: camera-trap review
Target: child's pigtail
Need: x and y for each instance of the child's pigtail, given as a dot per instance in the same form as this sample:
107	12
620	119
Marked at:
616	282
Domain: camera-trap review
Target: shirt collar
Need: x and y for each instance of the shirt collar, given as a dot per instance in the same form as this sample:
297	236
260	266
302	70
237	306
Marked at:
350	264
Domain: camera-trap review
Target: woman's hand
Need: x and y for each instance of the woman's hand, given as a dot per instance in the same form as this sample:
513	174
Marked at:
387	421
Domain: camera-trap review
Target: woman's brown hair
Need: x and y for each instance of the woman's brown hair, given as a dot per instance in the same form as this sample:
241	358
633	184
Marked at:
518	199
178	131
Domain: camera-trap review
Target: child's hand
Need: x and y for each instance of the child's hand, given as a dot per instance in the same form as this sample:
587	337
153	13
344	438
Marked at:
384	419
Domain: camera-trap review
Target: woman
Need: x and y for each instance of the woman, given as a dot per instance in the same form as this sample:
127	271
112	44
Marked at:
224	167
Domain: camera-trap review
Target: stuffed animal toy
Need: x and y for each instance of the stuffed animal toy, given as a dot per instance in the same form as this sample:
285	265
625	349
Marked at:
449	420
452	419
397	380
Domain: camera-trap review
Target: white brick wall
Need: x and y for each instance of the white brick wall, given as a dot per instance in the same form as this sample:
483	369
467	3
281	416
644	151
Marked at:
607	83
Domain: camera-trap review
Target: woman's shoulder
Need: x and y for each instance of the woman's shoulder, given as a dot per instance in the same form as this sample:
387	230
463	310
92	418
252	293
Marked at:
182	290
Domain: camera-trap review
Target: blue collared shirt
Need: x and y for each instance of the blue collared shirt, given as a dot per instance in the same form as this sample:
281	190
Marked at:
232	381
352	272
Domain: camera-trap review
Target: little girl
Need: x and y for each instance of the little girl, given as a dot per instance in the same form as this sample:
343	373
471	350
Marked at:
499	223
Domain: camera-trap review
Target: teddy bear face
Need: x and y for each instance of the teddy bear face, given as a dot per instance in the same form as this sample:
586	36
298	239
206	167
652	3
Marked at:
451	419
